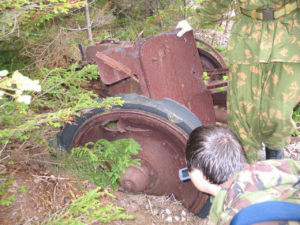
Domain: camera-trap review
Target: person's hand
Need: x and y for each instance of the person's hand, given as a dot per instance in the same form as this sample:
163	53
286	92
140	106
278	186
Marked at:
202	183
184	26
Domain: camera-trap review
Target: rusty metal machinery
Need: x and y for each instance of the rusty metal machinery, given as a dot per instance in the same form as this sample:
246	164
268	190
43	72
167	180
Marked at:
179	71
161	127
160	80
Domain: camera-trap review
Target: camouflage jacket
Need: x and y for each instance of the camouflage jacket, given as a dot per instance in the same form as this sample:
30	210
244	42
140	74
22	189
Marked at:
258	182
254	41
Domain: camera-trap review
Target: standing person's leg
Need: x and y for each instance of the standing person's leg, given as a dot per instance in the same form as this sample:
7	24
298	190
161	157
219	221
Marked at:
281	90
243	106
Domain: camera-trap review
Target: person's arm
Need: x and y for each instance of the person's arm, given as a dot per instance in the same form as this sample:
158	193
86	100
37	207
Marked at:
210	12
202	184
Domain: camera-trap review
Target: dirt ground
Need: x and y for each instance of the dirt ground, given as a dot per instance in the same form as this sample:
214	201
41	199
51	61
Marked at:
39	193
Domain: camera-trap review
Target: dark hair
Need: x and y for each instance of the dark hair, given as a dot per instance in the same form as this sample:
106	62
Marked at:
216	151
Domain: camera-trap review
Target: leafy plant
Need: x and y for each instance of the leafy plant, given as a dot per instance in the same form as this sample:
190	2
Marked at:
296	114
7	198
103	162
296	118
62	86
24	189
11	57
205	77
62	97
221	49
88	209
145	18
29	15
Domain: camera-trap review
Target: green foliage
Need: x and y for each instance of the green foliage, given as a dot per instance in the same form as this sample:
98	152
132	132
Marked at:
163	19
50	40
8	190
24	189
221	49
62	97
296	118
103	162
29	14
11	57
7	198
147	17
88	209
205	77
62	87
296	114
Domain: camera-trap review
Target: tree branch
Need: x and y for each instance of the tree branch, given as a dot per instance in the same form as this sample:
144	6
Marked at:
88	22
4	36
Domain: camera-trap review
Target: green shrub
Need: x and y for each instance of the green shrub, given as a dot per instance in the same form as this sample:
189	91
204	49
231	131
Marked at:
103	162
61	98
7	198
88	209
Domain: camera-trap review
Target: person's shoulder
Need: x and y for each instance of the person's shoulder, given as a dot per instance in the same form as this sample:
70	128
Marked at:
285	165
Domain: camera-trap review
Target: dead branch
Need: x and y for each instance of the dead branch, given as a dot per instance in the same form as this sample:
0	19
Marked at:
88	21
5	36
3	147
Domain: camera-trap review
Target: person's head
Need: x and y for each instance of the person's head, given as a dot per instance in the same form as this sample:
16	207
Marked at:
216	151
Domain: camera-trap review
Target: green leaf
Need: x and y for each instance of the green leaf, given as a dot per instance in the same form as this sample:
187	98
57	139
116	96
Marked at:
24	189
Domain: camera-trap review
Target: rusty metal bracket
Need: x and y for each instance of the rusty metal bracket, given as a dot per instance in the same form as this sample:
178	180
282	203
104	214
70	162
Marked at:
216	84
217	72
116	65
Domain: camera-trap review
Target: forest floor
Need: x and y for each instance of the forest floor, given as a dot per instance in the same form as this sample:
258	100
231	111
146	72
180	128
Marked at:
40	190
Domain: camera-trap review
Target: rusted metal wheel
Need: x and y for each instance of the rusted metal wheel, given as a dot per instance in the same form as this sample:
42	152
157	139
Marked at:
161	127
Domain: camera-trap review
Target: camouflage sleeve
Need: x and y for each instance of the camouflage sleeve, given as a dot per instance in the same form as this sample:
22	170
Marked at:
262	181
209	12
217	207
294	166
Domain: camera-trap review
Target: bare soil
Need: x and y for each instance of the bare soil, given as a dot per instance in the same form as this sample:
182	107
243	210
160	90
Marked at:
41	191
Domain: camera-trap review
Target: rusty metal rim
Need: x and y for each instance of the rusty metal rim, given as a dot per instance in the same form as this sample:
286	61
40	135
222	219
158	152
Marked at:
176	135
218	55
120	113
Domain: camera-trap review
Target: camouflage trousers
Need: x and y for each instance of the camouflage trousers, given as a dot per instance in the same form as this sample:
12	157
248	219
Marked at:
260	102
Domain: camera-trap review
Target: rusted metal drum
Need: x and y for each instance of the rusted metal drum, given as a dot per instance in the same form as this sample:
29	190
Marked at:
161	127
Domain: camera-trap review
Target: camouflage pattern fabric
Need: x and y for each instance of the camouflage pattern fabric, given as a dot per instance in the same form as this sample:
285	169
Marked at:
260	101
255	41
258	182
263	113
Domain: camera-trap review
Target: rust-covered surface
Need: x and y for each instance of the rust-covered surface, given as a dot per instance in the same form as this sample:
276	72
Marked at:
156	67
165	66
161	157
172	68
